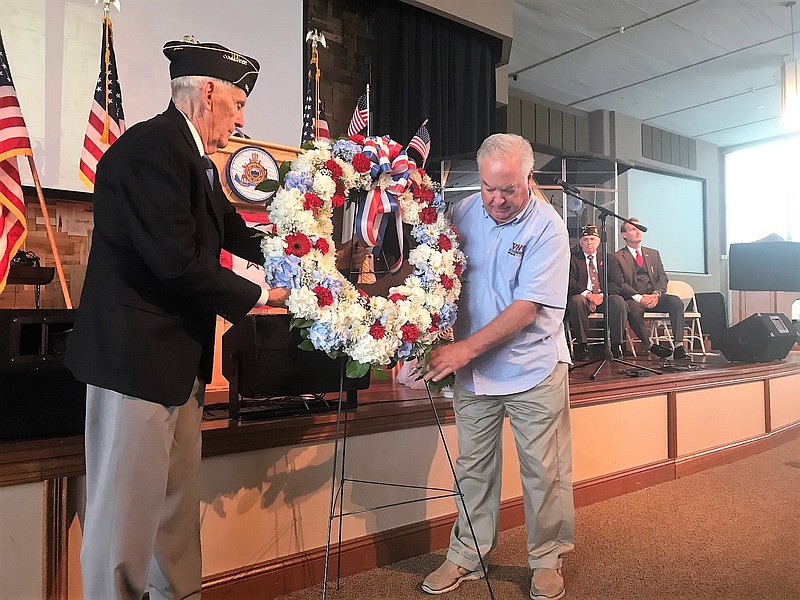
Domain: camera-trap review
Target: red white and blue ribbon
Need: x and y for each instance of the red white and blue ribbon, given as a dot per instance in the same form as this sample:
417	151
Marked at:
387	156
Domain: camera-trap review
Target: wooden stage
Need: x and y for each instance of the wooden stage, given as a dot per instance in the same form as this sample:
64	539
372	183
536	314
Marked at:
266	483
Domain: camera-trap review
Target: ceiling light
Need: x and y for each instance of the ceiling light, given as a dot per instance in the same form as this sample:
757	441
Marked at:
790	83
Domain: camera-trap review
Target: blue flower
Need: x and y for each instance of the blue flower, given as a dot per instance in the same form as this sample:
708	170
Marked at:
426	274
447	315
334	285
345	149
283	271
404	351
324	337
298	180
422	237
438	203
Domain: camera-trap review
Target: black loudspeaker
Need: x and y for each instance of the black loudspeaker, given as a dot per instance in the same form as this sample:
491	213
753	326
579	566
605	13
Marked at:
761	337
39	398
261	358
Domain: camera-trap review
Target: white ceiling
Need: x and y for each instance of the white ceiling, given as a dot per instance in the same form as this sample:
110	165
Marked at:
708	69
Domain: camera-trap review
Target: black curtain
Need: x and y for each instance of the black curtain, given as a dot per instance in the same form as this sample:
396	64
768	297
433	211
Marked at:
428	67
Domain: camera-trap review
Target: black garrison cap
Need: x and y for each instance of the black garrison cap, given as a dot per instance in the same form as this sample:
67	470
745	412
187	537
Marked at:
589	230
187	57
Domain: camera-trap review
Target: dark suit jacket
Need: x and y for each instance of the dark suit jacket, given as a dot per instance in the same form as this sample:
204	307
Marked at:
154	283
579	273
622	277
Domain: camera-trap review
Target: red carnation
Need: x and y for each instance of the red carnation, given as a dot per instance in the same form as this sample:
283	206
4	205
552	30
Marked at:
361	163
334	168
459	269
435	318
377	330
339	188
358	139
337	200
444	242
423	195
324	296
312	202
428	215
298	244
322	245
410	332
396	298
363	294
447	283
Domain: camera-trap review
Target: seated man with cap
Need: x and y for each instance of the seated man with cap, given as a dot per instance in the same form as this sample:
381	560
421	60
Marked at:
637	274
585	296
143	340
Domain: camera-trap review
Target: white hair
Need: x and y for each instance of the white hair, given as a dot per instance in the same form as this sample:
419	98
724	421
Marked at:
186	93
506	145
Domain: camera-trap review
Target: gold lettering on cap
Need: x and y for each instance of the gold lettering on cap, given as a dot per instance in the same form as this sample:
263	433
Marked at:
235	58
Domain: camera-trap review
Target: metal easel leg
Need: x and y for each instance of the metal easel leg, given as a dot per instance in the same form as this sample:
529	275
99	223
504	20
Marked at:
459	493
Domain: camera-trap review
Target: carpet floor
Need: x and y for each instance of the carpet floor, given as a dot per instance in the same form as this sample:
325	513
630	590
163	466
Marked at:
727	533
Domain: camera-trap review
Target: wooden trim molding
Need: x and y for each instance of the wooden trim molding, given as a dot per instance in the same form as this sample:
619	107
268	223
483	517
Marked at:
54	552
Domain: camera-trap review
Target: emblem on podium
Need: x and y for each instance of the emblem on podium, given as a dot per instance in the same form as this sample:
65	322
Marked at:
246	168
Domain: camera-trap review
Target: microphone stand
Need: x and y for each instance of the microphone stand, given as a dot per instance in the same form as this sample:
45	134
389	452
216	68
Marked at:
607	355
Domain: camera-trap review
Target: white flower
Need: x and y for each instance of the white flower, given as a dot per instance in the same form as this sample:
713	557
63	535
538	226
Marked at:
302	303
323	186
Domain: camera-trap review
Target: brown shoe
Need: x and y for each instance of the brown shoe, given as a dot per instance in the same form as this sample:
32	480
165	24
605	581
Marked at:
547	584
448	577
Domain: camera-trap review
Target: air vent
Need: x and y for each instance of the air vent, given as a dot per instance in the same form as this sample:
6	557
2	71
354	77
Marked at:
667	147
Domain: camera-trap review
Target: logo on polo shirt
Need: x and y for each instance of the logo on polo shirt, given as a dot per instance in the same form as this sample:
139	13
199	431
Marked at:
516	249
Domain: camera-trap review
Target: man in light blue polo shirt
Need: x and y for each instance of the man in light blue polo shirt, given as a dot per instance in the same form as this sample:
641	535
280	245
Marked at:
510	357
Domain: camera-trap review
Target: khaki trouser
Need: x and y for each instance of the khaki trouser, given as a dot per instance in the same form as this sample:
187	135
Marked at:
142	497
539	419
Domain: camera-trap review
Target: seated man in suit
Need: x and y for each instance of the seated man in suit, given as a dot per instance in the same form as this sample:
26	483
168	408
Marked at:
585	296
637	274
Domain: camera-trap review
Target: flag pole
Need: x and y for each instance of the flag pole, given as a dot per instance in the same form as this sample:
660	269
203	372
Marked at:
50	235
368	115
315	37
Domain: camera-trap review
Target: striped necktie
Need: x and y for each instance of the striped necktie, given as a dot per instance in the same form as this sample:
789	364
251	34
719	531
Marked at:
593	276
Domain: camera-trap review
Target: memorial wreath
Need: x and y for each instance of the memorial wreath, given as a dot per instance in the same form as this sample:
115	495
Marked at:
332	314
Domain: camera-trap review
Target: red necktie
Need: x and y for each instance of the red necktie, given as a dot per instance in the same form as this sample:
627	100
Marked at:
639	259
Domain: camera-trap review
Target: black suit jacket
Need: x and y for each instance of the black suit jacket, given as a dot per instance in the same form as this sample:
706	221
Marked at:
579	272
622	276
154	283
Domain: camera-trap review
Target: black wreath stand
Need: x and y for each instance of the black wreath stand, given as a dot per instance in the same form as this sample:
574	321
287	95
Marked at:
339	478
606	354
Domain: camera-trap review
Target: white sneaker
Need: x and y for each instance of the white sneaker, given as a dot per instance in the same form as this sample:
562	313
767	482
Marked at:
448	577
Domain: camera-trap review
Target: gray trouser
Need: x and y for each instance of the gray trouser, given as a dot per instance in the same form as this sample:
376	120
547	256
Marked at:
142	497
539	418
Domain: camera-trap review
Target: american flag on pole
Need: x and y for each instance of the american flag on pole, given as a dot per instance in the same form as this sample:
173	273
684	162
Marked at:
106	119
313	129
360	118
14	141
421	142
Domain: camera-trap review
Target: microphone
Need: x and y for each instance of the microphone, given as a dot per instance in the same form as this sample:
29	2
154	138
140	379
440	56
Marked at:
567	187
638	226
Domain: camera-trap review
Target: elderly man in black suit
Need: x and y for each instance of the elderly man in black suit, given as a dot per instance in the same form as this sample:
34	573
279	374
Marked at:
144	334
586	296
637	274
